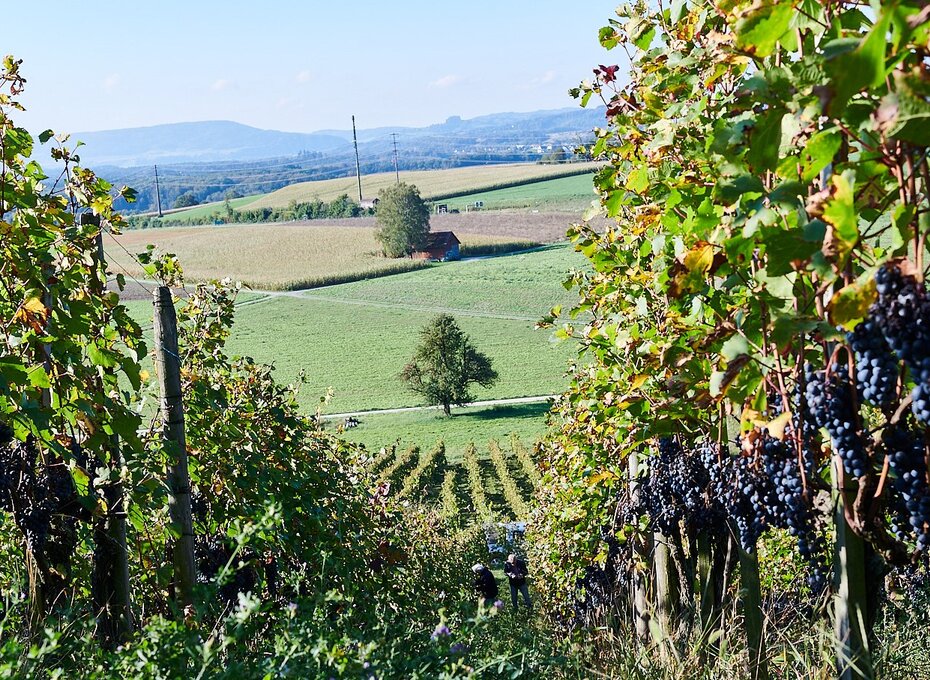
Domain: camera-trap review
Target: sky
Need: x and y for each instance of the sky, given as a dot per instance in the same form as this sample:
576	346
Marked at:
297	66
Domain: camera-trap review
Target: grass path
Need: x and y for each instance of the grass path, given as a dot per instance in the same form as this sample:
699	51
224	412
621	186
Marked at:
474	404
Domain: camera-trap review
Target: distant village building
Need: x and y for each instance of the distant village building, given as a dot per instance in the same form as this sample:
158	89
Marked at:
369	203
440	245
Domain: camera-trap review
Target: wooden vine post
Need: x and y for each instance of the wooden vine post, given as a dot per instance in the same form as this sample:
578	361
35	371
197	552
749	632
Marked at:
853	661
168	367
708	614
751	596
666	585
641	549
110	581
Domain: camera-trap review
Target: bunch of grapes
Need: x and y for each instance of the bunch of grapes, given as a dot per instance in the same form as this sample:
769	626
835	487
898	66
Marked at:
902	311
790	509
831	406
676	489
741	492
908	465
213	553
876	366
17	471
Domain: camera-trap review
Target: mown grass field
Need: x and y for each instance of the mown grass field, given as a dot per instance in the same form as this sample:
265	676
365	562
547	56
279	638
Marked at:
208	209
521	285
354	338
358	350
432	183
273	256
565	193
464	426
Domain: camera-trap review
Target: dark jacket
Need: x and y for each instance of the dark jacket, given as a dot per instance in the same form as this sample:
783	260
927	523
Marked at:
516	572
486	584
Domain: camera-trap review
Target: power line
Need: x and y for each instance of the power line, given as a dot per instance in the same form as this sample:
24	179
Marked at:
396	172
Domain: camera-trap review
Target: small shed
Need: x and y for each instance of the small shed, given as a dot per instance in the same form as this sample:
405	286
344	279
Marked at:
440	245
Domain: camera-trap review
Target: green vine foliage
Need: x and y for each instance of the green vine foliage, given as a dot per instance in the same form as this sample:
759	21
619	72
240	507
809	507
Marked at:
762	161
65	346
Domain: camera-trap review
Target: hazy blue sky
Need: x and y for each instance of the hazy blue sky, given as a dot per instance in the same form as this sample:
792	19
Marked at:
297	66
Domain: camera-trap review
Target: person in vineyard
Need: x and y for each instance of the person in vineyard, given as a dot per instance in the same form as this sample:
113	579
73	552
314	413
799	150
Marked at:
516	571
485	584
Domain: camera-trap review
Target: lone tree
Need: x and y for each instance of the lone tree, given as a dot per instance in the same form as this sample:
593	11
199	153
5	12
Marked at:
445	364
403	220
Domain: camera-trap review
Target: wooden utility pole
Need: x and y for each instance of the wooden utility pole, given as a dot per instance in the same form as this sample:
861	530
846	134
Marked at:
168	366
157	193
110	581
358	165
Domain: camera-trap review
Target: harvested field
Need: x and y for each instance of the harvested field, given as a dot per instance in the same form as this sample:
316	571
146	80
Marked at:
541	227
278	256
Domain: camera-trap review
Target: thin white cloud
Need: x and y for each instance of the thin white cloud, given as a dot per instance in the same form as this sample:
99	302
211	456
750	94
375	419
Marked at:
446	81
546	78
539	81
111	82
289	103
221	84
303	77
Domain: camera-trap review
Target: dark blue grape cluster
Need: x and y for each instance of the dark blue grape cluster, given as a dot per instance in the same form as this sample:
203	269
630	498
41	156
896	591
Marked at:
902	311
876	366
676	489
740	491
920	404
907	463
656	493
831	406
792	508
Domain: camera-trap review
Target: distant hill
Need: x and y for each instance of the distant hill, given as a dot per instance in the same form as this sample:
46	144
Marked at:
207	141
210	160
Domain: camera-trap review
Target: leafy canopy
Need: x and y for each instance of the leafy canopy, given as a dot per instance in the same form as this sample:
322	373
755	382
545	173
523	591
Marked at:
445	364
403	220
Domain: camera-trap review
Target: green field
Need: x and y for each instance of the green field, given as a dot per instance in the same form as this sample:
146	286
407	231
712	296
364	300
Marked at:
209	209
565	193
522	286
465	425
355	338
358	350
432	183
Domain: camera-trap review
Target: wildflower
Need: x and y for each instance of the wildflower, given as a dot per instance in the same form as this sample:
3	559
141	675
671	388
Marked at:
458	648
442	630
498	605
